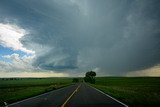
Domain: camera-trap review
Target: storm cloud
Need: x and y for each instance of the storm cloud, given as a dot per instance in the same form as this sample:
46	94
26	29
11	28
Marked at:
115	37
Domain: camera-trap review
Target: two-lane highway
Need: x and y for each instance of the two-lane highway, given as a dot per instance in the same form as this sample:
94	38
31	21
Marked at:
51	99
88	96
79	95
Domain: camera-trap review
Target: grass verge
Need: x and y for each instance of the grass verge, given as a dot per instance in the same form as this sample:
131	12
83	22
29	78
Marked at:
12	90
135	92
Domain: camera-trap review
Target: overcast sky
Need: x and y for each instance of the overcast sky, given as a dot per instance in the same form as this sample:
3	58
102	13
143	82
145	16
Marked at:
70	37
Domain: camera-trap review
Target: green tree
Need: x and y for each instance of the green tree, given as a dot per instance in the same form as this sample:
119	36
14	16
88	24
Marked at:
90	77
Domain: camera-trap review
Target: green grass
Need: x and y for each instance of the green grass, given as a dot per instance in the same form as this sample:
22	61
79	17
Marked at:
15	90
133	91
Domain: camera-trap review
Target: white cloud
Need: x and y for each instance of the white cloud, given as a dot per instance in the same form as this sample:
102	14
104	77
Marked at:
17	63
10	36
17	59
22	67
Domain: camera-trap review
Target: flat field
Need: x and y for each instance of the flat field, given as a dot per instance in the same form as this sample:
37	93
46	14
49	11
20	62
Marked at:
15	89
133	91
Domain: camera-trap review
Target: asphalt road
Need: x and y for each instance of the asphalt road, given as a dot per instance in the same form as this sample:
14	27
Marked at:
79	95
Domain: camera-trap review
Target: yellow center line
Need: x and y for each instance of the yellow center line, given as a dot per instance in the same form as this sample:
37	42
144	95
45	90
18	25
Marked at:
70	96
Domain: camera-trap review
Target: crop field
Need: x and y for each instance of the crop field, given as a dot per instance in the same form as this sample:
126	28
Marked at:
15	89
133	91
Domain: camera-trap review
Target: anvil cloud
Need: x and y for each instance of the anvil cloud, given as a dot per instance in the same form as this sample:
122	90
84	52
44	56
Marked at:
113	37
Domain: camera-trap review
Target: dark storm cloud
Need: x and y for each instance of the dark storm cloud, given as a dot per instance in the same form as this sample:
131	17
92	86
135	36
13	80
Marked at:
114	36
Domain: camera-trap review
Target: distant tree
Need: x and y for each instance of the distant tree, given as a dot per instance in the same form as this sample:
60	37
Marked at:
90	77
75	80
92	73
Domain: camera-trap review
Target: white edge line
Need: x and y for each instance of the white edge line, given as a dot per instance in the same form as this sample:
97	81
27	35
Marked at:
35	96
109	96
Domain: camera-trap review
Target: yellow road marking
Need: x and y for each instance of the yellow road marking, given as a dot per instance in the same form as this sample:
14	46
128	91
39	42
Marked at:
70	96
